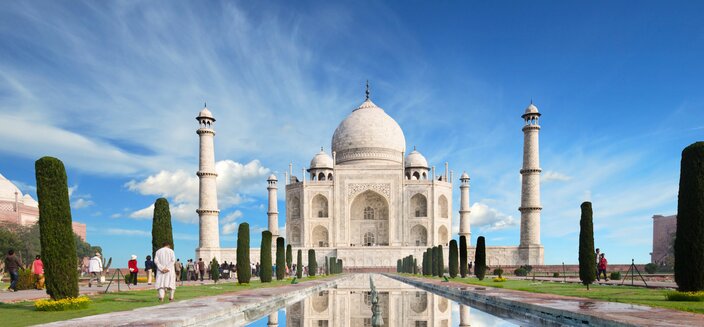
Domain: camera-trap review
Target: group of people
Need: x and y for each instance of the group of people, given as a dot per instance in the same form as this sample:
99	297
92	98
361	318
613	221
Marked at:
13	264
601	265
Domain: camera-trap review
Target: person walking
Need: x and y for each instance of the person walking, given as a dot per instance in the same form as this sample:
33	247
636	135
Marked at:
95	269
164	260
149	268
134	270
12	267
597	257
38	271
201	268
190	270
602	267
178	267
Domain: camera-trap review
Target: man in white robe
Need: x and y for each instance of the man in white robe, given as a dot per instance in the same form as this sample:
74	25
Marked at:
165	275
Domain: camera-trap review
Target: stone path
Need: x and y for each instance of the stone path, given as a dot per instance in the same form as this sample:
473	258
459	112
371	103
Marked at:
30	295
568	310
636	281
231	309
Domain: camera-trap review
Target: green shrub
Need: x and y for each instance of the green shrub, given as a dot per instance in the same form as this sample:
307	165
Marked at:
463	256
616	275
55	229
299	264
215	270
498	272
244	272
280	259
26	280
76	303
434	261
289	256
685	296
441	263
689	247
312	263
453	264
555	274
587	261
520	271
480	258
651	268
161	226
265	258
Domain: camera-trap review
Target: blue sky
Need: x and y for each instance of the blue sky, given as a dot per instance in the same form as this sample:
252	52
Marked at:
112	89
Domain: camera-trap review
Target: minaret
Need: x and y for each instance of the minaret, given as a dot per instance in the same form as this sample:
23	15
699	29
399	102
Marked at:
531	252
464	207
273	211
209	241
273	319
464	316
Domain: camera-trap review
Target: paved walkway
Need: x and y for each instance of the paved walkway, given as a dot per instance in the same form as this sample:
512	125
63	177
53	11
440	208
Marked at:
574	309
30	295
636	281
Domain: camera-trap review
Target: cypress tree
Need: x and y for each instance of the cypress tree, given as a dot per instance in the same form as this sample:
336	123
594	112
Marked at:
689	241
453	264
587	261
441	262
265	258
415	266
161	226
331	265
289	256
424	264
327	268
434	260
480	259
244	272
429	254
55	231
339	266
463	256
312	263
299	264
280	259
215	270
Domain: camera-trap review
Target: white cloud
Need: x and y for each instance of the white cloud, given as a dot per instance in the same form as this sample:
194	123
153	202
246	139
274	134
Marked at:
229	228
490	219
234	182
81	203
146	213
128	232
553	176
116	215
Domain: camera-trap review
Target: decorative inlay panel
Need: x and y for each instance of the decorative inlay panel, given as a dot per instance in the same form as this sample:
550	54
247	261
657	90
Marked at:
354	189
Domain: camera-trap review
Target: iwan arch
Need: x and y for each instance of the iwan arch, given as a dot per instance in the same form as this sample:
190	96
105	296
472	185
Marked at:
370	202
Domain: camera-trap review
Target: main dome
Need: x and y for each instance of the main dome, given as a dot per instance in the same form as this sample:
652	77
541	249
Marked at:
368	133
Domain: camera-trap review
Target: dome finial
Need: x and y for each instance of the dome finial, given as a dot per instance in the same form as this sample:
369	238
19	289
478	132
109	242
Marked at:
205	104
321	149
367	91
414	148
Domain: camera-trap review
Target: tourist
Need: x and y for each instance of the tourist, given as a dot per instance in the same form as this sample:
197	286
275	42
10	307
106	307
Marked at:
38	271
149	268
164	260
201	268
190	270
95	269
134	270
602	267
12	267
596	257
178	267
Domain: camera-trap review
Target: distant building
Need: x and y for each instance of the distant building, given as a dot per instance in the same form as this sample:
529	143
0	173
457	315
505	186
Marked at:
664	229
23	209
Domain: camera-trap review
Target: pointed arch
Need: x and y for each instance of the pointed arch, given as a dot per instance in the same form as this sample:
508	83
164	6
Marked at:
443	235
444	210
419	235
320	236
419	205
320	206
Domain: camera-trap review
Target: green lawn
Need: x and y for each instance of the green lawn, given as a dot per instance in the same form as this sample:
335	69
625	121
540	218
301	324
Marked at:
23	313
624	294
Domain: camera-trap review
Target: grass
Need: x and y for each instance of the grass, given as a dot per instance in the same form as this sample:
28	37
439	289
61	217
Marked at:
611	293
23	313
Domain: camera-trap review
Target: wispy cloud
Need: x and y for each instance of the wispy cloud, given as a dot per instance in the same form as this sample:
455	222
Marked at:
128	232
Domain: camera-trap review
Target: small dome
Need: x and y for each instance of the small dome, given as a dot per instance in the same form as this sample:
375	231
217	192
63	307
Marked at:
464	176
321	160
7	189
205	113
368	133
416	160
272	177
29	201
531	110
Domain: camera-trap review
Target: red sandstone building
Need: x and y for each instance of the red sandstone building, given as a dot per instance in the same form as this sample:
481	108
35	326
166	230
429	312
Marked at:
664	229
23	209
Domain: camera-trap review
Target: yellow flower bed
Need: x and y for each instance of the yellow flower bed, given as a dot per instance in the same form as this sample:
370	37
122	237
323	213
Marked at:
72	303
685	296
499	279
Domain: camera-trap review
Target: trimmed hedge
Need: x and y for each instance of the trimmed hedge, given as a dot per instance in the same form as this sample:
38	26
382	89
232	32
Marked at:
587	260
244	271
280	259
480	258
312	263
265	258
56	233
215	270
71	303
689	247
453	264
161	226
299	263
463	257
289	256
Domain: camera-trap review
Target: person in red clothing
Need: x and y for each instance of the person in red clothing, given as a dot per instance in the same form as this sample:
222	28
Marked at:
602	267
38	270
132	264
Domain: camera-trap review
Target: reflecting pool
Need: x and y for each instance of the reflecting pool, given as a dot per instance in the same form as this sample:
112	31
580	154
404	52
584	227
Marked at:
399	304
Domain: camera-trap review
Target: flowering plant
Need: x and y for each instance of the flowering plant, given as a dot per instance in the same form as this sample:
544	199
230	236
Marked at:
72	303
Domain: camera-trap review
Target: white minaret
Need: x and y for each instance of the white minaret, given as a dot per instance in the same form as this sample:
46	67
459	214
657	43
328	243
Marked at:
464	316
530	248
464	207
273	211
209	245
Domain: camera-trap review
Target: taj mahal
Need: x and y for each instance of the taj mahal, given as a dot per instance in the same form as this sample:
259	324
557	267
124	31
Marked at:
370	201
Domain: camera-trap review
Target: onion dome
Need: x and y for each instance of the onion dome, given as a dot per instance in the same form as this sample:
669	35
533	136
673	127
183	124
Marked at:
416	160
272	177
321	161
464	176
531	110
205	113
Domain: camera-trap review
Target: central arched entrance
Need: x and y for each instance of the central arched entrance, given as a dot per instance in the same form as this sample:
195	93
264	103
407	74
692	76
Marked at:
369	220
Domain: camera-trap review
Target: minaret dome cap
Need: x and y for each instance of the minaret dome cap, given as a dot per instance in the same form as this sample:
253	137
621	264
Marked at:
464	176
272	177
531	110
205	113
